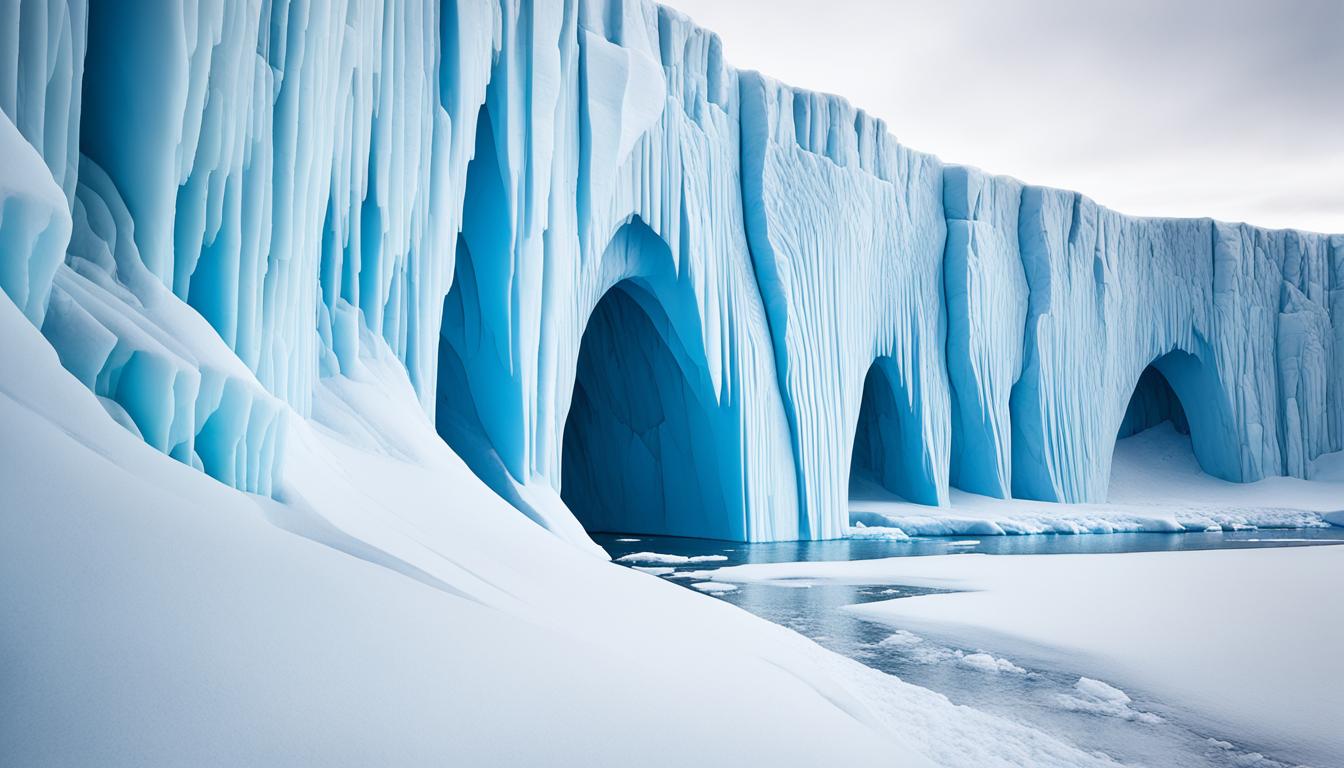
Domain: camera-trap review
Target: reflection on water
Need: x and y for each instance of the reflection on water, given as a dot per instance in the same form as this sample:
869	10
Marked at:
1141	733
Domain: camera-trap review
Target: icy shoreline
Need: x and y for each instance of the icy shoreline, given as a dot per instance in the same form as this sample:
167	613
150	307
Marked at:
1177	626
1156	487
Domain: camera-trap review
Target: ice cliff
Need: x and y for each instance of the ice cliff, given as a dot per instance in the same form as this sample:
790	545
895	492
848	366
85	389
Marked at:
625	279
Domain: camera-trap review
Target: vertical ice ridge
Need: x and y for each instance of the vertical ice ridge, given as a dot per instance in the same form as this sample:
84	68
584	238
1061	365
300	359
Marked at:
851	258
986	291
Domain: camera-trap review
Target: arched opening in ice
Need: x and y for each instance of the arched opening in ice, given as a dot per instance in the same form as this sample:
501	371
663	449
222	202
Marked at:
1154	402
1176	418
640	454
887	455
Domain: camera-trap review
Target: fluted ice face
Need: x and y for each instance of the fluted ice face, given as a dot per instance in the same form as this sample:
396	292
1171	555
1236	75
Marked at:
632	181
42	45
847	233
986	293
209	206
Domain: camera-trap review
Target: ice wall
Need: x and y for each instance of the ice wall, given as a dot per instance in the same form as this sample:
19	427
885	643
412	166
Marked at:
210	206
986	293
42	45
34	225
631	178
286	170
847	234
288	166
1108	296
1224	312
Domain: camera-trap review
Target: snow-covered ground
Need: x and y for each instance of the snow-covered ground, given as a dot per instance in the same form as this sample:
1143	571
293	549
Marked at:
388	610
1239	643
1156	485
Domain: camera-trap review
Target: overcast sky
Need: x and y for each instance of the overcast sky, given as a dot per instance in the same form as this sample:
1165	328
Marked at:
1232	109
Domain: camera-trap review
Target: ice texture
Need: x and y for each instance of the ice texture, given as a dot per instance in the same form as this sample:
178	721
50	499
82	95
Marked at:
986	288
847	235
623	278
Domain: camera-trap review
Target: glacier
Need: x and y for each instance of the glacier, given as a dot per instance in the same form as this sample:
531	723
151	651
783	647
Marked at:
632	287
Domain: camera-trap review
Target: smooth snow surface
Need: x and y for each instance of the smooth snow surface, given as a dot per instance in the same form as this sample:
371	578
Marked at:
1230	640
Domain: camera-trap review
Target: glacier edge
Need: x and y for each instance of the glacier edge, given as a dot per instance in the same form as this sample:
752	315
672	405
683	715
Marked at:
239	198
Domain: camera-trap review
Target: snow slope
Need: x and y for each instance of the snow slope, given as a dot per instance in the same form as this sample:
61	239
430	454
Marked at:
388	609
1235	642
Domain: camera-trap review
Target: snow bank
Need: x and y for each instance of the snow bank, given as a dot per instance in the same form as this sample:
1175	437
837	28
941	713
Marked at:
1156	486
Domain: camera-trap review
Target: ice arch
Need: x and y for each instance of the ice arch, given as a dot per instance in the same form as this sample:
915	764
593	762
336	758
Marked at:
886	435
639	450
1181	388
1107	296
847	234
1153	403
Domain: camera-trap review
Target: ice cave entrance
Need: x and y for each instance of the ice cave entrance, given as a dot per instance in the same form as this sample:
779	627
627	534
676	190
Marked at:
887	458
640	453
1154	402
1177	418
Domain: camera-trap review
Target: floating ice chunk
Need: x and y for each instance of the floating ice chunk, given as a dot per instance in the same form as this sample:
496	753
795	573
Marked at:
984	662
901	639
1101	691
877	532
714	587
1098	698
921	651
658	558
